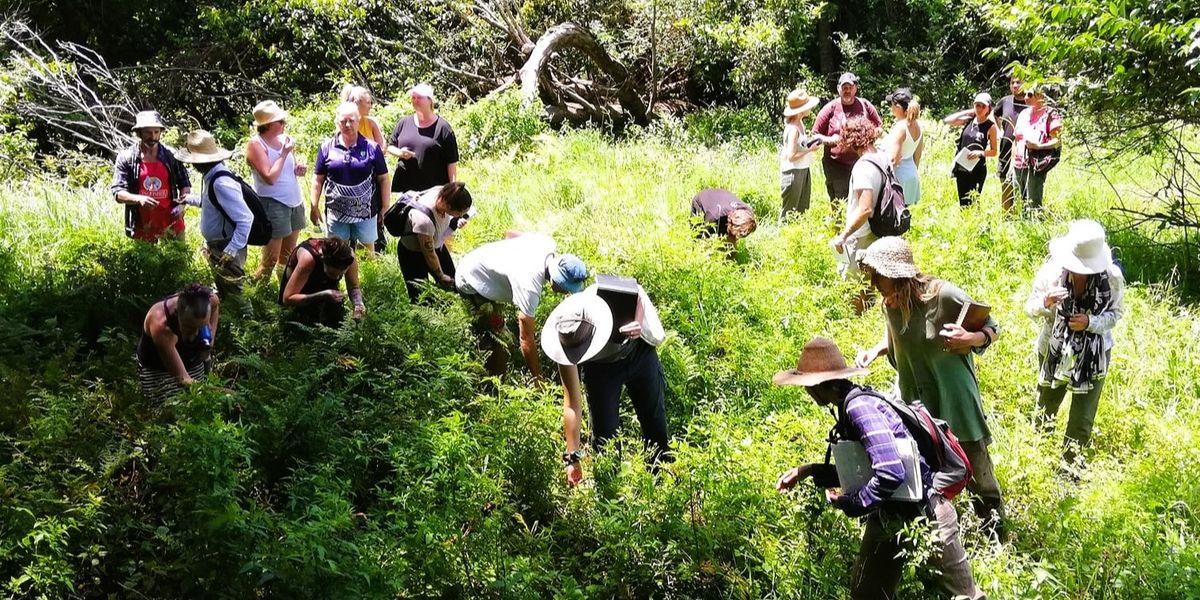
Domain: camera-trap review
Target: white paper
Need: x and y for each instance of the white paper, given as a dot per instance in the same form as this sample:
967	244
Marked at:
854	469
964	161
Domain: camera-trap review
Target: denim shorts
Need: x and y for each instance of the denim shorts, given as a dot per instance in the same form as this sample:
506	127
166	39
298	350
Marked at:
363	232
284	219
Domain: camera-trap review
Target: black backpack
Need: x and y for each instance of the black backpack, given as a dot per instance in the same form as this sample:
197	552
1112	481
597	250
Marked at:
395	220
260	227
937	444
889	216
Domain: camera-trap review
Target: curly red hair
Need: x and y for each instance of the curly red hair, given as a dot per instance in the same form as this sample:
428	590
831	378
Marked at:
858	134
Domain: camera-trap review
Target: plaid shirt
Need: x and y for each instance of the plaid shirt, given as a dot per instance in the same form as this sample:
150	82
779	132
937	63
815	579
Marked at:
877	426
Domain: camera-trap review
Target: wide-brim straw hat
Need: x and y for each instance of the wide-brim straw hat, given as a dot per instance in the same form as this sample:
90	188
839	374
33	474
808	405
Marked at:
1084	249
577	329
267	112
891	257
147	119
201	147
799	101
820	361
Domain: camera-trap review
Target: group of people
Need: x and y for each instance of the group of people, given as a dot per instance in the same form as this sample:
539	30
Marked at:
604	337
1020	131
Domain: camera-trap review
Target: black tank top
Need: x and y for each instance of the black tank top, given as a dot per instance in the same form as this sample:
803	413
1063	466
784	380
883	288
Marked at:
317	279
190	351
974	137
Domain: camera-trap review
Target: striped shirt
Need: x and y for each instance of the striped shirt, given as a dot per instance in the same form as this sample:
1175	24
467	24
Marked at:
877	426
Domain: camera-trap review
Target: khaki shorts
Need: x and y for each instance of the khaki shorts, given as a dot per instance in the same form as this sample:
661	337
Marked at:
284	219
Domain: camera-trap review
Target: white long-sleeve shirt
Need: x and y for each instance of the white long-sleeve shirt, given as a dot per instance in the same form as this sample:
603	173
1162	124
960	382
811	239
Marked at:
213	225
1050	277
652	327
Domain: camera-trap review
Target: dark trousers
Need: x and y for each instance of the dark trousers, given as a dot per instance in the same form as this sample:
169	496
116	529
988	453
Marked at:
641	374
415	270
837	181
970	181
881	557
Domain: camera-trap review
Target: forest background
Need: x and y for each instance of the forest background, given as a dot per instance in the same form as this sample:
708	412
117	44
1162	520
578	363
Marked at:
379	462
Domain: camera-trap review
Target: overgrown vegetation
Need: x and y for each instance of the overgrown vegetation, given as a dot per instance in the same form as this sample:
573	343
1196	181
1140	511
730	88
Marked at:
377	462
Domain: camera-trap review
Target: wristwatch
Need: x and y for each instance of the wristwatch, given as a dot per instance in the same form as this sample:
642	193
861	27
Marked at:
572	458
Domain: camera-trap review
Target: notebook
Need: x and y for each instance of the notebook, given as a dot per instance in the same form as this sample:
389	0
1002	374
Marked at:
854	468
621	295
972	317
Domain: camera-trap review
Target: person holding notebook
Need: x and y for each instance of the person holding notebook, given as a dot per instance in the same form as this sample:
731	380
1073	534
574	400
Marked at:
602	350
920	339
866	417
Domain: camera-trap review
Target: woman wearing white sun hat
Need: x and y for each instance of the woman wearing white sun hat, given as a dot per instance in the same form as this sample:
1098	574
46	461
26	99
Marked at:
1078	296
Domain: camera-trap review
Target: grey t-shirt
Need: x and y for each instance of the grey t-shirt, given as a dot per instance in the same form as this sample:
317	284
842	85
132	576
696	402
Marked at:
418	222
865	176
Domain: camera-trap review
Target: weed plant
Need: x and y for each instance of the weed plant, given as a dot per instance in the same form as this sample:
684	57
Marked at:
377	461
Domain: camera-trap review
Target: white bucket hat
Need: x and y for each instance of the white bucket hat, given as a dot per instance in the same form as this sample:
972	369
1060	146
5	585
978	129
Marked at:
891	257
577	329
1083	250
147	119
201	147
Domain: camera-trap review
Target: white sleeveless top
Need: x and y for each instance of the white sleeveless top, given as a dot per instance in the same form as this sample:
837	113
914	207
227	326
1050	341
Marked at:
909	146
784	152
285	189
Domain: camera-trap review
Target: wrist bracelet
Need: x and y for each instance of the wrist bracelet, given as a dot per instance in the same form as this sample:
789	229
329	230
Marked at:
572	458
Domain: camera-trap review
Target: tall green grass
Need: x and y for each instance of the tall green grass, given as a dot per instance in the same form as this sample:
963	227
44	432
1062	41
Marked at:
377	461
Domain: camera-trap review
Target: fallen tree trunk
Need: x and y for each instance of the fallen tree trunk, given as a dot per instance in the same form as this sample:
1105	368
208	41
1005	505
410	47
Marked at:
536	85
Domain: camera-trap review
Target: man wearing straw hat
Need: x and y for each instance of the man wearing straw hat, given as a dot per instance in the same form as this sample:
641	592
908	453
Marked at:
224	224
865	417
150	183
1077	298
588	346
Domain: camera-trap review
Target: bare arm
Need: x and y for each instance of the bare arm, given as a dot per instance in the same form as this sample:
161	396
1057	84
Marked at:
919	151
318	187
452	171
894	142
527	332
862	212
385	193
993	143
959	118
257	158
164	343
292	295
214	317
572	414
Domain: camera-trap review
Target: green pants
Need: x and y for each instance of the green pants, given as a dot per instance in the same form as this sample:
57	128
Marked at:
1080	419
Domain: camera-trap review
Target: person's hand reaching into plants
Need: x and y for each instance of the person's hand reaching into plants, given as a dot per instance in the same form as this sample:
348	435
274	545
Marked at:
793	476
866	357
334	295
574	474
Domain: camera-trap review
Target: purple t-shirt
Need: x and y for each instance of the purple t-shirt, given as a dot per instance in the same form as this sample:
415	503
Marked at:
350	177
350	166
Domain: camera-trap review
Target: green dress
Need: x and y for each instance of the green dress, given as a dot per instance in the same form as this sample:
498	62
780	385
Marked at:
944	382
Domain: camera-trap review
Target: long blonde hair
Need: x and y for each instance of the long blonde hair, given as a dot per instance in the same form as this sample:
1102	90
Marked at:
912	292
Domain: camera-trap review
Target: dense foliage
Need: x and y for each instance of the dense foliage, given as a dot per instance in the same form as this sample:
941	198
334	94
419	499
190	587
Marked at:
377	461
208	62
